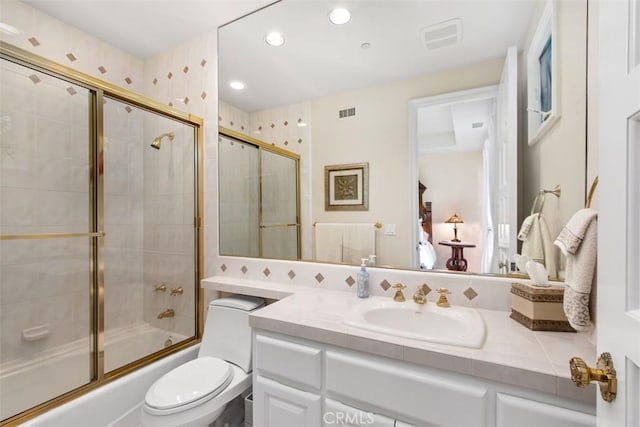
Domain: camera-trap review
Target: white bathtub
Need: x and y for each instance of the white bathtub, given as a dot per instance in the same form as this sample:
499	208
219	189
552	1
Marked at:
24	384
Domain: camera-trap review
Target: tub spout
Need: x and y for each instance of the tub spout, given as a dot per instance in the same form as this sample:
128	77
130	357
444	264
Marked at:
167	313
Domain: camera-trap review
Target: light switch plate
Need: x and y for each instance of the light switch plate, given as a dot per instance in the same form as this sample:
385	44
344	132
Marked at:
389	229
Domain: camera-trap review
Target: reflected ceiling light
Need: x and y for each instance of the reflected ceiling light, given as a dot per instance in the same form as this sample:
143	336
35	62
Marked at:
237	85
9	29
365	45
274	38
339	16
301	123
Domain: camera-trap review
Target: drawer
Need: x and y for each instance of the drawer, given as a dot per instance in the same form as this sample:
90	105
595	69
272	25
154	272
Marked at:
408	391
512	410
288	362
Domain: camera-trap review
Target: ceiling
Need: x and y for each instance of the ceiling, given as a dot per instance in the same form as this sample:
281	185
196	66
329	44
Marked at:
145	28
320	58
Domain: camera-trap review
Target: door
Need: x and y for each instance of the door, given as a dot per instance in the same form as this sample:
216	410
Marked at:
618	322
277	405
507	169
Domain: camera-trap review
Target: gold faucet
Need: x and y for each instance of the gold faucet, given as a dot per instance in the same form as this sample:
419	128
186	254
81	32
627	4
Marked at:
177	291
442	301
419	297
399	296
161	288
167	313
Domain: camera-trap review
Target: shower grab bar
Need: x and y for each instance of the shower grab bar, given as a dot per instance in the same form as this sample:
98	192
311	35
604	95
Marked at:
279	225
50	236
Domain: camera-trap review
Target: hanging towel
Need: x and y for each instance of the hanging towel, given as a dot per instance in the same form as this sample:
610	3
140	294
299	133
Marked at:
328	242
358	241
578	241
537	243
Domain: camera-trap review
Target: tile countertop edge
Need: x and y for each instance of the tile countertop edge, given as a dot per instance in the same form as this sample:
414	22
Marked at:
438	357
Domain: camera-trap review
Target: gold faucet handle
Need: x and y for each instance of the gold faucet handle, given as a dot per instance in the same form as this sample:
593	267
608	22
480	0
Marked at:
442	300
399	296
161	288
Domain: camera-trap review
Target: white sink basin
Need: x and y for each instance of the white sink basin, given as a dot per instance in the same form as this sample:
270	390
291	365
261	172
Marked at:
459	326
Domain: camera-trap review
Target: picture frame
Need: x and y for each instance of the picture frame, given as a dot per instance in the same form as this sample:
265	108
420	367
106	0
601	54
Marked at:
543	85
346	187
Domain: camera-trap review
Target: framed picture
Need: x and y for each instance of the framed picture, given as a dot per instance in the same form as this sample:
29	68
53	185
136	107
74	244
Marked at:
346	187
543	88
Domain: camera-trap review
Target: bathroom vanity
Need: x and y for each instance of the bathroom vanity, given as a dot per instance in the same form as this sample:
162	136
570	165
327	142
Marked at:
312	368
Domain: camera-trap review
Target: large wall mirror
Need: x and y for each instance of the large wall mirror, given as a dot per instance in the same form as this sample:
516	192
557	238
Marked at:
432	99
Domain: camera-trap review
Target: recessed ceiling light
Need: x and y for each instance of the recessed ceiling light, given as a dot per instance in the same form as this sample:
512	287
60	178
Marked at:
9	29
237	85
339	16
274	38
365	45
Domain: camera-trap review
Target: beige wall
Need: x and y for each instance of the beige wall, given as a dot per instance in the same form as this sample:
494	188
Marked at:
447	175
559	157
378	134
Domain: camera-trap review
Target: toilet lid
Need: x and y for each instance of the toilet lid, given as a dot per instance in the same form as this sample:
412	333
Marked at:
195	380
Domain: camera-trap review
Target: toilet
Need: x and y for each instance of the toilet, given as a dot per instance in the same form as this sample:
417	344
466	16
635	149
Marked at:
197	392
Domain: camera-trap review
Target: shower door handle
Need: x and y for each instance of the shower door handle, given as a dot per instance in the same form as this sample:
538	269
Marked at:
50	236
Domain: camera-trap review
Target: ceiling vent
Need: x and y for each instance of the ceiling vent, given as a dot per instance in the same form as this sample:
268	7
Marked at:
347	112
442	34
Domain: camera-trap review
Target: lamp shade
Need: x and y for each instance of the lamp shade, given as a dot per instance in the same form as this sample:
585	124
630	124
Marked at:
454	219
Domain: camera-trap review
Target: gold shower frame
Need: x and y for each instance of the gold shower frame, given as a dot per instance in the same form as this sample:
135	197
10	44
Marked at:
98	90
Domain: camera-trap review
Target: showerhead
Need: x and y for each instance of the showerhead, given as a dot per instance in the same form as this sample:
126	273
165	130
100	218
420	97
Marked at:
158	139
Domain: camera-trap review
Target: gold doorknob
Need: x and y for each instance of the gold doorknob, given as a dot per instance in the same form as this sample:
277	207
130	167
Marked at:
582	375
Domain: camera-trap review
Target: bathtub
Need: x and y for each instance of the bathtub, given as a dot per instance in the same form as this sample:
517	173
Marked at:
24	384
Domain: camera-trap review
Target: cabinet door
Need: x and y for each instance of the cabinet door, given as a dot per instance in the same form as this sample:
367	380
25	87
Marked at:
512	411
277	405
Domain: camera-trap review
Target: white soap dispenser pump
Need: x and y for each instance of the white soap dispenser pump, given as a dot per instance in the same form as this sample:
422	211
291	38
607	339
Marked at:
363	280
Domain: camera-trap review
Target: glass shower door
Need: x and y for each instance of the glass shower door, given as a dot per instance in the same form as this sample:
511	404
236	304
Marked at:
46	240
279	206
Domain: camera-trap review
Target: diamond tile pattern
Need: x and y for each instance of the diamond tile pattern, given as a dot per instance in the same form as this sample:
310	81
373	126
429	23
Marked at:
34	78
102	69
71	57
128	80
203	62
470	293
385	285
170	75
186	100
128	109
34	42
291	274
185	69
71	91
244	269
350	281
267	272
203	95
319	277
223	267
155	81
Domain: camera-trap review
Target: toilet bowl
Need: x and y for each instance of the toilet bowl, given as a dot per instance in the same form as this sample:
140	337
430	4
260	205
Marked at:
197	392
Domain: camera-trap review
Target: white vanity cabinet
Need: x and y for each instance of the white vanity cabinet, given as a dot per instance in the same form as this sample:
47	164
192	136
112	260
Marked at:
301	383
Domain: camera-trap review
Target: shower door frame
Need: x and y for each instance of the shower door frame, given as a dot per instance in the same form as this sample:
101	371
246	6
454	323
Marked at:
98	90
262	145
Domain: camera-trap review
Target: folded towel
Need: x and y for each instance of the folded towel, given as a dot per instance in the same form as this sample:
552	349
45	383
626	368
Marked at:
572	234
538	245
578	240
328	242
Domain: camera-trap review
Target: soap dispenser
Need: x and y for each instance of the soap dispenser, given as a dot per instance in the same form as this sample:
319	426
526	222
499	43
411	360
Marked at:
363	280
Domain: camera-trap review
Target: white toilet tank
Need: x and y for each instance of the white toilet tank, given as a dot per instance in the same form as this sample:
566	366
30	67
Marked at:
227	334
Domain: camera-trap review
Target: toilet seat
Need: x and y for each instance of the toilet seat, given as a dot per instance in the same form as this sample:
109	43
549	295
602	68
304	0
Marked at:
189	385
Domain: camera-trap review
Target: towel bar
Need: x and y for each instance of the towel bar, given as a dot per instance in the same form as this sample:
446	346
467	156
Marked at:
592	190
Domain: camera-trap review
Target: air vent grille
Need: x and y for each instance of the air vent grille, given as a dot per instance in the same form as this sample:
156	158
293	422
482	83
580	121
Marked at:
442	34
347	112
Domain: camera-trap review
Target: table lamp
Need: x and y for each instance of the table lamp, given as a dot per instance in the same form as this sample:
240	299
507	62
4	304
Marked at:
455	219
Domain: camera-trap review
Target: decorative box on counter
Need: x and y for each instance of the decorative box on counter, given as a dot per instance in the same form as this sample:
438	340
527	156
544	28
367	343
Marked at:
539	309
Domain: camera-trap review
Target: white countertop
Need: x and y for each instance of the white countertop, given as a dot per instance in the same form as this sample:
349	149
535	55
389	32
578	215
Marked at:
511	354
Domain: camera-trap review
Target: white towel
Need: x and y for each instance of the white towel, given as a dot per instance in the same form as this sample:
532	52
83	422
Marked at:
537	245
328	242
578	241
358	241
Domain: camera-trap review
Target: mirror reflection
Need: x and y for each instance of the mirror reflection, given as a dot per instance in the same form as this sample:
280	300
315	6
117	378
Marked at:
434	97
